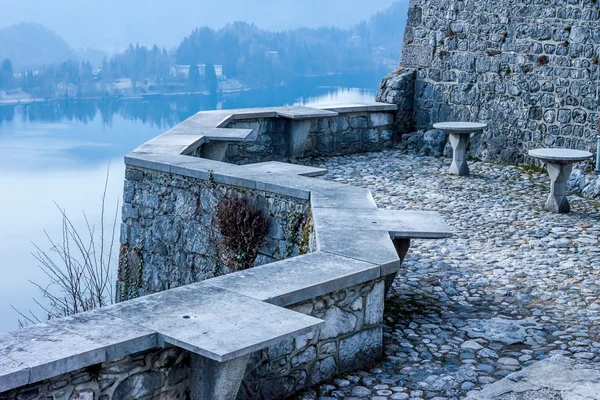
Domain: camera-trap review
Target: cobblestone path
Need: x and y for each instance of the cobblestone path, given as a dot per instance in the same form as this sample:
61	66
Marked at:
517	285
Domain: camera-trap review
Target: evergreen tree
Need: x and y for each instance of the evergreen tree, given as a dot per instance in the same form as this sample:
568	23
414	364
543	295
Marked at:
194	77
211	79
6	75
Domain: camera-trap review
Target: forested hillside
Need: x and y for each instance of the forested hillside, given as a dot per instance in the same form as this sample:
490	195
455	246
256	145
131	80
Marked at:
31	45
259	56
248	54
112	24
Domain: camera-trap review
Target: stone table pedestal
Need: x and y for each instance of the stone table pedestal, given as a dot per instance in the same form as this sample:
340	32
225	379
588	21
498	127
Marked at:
559	164
460	136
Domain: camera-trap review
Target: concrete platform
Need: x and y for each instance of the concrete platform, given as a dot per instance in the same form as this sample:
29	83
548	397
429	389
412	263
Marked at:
557	378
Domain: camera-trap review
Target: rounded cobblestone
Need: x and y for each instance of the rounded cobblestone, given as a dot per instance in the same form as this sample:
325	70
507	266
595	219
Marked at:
516	285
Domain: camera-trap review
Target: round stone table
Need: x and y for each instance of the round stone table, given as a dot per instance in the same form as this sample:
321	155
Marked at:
460	136
560	164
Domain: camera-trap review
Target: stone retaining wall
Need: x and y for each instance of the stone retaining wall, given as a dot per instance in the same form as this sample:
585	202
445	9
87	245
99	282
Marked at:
399	88
350	133
347	133
528	69
351	340
157	375
170	237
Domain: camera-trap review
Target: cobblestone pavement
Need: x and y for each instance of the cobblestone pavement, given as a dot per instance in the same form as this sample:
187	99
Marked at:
517	284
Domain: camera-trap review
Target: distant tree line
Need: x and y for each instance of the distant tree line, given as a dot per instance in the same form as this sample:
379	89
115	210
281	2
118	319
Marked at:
254	56
138	63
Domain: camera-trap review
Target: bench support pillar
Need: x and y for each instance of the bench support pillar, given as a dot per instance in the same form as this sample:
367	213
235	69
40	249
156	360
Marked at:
215	150
213	380
402	246
298	137
559	175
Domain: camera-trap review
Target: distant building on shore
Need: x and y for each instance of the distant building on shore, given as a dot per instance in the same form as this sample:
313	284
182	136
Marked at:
271	55
183	71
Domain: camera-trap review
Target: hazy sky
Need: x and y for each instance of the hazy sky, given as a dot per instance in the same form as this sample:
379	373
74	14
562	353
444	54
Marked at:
112	24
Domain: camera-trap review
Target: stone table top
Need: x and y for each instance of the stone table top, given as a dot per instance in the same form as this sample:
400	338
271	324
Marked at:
565	155
460	127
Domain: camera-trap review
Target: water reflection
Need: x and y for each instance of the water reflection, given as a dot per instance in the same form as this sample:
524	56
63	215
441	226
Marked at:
164	111
59	152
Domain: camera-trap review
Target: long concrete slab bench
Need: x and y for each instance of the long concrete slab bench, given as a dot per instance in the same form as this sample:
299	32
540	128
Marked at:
210	127
222	321
210	322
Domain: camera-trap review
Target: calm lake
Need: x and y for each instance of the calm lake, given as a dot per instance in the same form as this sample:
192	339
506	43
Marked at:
58	153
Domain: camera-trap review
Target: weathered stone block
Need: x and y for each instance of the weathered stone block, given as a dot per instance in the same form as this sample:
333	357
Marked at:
128	191
381	119
282	349
360	350
138	385
337	322
128	212
323	370
339	124
325	144
374	305
359	122
305	357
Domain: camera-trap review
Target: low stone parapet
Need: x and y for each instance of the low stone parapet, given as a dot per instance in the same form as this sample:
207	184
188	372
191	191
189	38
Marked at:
301	318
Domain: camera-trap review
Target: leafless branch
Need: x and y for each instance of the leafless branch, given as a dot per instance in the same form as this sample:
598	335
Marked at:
79	267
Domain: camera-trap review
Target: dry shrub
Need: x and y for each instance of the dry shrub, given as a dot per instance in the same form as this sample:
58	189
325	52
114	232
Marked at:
243	228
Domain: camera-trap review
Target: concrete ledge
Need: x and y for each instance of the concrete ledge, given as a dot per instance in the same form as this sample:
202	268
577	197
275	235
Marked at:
276	167
210	126
13	373
399	224
46	349
298	279
232	316
362	107
369	246
216	323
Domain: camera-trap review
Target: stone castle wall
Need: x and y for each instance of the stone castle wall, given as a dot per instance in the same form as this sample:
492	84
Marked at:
166	223
169	235
527	68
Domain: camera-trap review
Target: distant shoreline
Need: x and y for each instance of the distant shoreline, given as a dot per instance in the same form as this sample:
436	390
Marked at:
141	96
15	101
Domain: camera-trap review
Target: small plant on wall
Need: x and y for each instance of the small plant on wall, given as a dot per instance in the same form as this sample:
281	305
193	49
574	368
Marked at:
243	228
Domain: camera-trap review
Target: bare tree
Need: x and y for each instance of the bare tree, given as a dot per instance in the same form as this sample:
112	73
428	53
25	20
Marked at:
80	268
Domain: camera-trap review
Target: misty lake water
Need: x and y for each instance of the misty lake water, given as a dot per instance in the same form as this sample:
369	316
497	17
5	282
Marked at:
59	152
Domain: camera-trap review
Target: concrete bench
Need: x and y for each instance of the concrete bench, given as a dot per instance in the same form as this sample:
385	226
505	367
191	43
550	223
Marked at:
218	327
560	164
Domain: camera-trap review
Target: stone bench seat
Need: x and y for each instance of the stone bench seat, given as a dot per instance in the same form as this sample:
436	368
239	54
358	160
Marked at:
214	323
211	127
